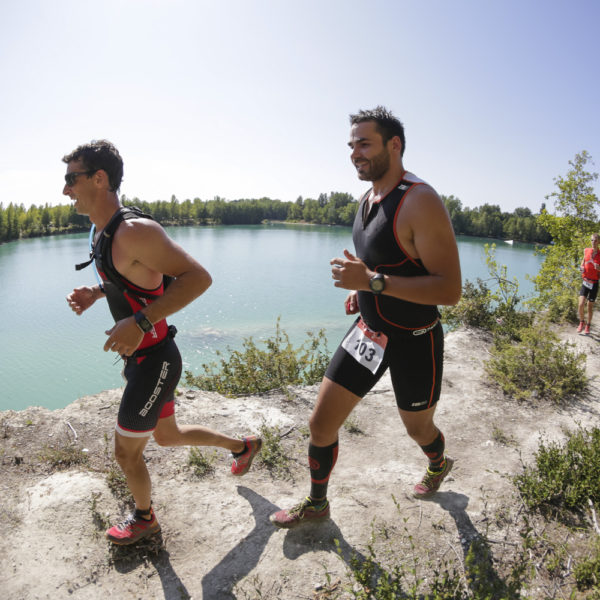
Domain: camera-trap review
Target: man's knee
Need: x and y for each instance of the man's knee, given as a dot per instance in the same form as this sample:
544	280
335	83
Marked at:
167	438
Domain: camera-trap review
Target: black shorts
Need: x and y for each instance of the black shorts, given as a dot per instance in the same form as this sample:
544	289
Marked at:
588	293
415	364
151	382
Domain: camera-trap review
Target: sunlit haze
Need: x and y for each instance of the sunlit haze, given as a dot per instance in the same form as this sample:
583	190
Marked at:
250	98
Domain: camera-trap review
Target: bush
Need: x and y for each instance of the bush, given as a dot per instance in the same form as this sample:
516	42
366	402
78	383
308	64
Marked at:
496	311
252	370
564	477
473	309
538	366
587	572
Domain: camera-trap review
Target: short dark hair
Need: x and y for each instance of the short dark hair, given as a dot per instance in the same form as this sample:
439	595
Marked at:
100	154
386	123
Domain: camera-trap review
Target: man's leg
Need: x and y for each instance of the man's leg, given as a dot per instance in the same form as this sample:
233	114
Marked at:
590	307
421	428
169	433
580	310
129	453
333	406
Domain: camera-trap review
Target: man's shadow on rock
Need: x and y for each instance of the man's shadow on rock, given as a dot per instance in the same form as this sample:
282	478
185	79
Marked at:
479	567
127	558
241	560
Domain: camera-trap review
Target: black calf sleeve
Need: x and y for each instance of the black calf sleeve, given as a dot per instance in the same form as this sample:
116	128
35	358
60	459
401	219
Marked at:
435	451
321	461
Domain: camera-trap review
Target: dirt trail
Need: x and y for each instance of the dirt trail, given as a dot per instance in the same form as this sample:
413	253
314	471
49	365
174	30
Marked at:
217	540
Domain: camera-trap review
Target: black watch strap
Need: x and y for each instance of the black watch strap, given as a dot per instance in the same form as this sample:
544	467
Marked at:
142	322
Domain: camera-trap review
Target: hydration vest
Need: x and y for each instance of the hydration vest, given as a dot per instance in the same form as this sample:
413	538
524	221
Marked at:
101	251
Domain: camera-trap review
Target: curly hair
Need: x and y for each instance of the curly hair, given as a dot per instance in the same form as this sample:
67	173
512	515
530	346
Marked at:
387	124
100	154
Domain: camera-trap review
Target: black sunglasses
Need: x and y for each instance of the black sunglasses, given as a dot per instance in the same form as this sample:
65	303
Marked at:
71	178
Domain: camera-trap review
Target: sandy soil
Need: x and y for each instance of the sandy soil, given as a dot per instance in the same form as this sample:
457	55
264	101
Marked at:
217	542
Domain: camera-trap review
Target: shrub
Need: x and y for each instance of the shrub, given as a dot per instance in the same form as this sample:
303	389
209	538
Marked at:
564	477
493	310
537	366
201	464
63	457
272	454
252	370
473	309
587	572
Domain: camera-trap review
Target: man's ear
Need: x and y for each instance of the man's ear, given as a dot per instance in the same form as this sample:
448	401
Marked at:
100	178
396	144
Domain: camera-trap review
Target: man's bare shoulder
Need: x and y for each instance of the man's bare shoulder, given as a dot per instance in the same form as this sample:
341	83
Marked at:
422	197
134	231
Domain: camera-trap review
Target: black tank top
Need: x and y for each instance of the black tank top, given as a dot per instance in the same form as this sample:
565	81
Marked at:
374	237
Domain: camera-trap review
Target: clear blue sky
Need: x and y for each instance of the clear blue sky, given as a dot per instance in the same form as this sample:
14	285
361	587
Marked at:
250	98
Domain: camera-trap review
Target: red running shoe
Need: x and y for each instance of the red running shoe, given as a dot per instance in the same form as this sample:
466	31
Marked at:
587	329
241	464
132	529
301	513
580	327
430	484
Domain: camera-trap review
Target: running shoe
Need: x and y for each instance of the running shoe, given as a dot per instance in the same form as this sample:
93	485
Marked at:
580	328
301	513
587	329
430	484
241	463
132	529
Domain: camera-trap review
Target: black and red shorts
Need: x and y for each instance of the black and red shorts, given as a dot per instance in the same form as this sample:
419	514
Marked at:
150	391
415	363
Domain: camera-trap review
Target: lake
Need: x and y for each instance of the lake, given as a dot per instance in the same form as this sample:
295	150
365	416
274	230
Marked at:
50	356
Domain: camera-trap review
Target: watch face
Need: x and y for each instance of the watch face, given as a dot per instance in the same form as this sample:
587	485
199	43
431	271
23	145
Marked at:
377	284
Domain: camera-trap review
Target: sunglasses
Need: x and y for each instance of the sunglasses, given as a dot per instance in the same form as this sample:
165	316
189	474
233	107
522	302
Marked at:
71	178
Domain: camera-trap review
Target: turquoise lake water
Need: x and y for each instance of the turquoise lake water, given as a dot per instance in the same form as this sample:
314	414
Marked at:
50	357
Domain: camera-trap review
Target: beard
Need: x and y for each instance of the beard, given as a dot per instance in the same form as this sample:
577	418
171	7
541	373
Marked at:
376	167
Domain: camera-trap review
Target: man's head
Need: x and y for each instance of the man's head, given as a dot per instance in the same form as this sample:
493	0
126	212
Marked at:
595	239
386	124
99	155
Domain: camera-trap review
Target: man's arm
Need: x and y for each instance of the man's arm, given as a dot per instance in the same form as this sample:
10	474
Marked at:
83	297
425	231
142	252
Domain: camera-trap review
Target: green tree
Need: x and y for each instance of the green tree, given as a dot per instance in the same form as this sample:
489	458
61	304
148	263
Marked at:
575	219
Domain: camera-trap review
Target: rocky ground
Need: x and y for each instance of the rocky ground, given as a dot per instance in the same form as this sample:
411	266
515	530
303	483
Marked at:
217	542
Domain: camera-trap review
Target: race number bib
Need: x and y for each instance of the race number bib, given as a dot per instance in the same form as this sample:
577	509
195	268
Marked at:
588	284
365	346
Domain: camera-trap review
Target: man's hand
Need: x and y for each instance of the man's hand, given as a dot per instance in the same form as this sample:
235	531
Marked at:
82	298
351	303
350	273
124	337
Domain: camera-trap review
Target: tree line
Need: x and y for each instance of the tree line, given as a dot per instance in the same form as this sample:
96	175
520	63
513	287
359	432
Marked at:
335	208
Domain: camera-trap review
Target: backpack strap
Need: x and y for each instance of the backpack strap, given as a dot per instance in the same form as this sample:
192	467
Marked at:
102	249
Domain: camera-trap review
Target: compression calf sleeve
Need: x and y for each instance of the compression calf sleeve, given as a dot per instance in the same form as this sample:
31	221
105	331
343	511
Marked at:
321	461
435	452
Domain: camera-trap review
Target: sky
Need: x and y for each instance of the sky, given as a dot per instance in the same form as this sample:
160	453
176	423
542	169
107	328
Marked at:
251	98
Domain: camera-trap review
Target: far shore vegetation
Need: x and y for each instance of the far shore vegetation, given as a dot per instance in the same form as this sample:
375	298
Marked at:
335	208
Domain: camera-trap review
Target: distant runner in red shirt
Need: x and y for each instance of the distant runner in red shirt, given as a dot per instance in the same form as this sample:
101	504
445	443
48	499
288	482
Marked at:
590	268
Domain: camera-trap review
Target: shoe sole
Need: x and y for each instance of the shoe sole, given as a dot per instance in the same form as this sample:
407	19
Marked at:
429	494
294	524
120	542
249	463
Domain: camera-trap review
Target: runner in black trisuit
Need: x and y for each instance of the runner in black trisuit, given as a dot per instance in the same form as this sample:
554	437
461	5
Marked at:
141	254
406	263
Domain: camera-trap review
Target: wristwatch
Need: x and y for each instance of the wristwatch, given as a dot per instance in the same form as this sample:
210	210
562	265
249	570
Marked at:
377	283
142	322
